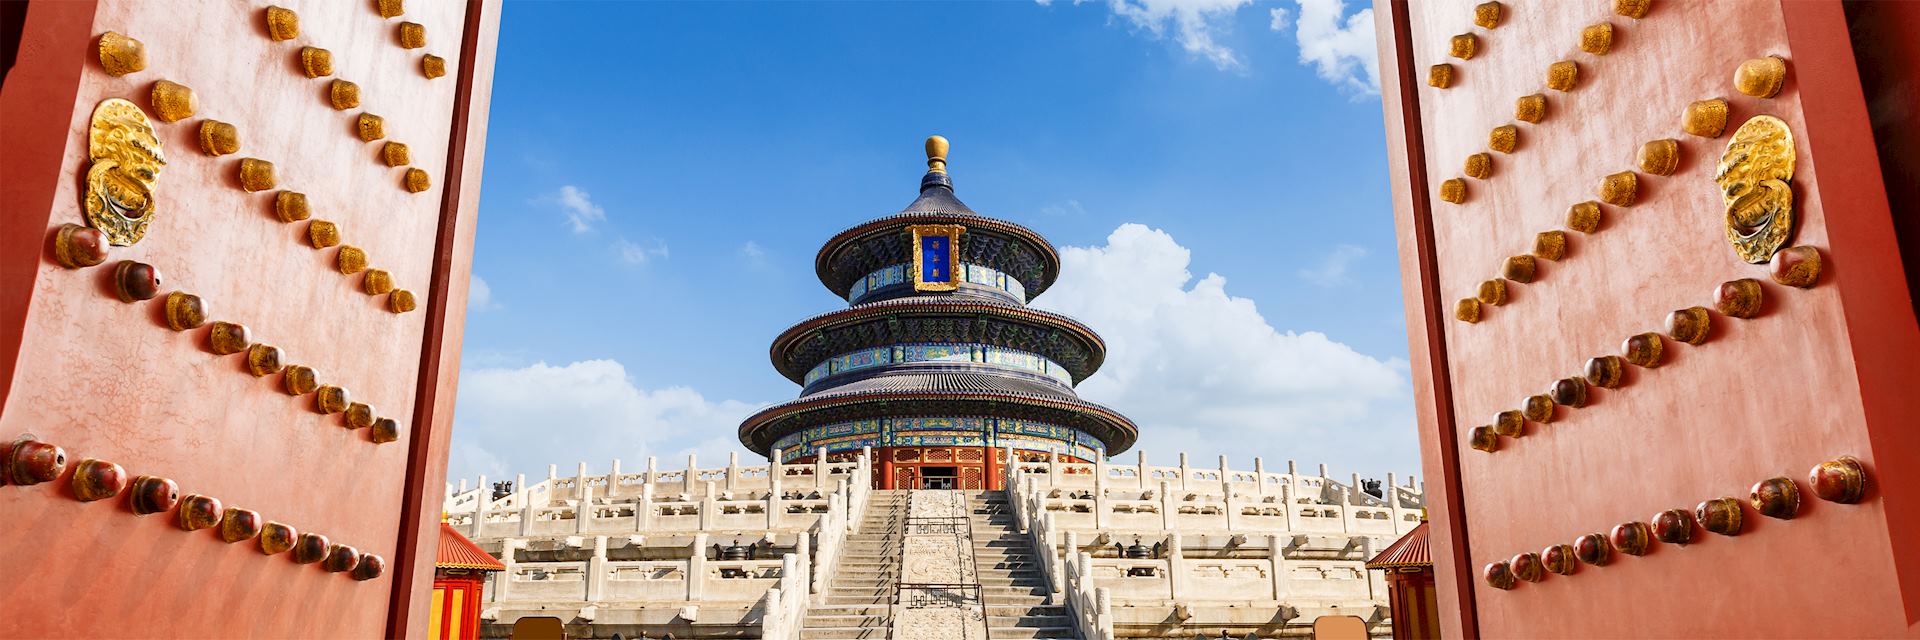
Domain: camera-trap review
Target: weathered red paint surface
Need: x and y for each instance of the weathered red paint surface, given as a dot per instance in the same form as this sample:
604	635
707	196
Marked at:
109	380
1815	376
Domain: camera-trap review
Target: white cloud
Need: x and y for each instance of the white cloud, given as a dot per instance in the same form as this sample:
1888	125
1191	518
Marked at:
635	253
752	250
1333	270
479	295
1071	207
580	209
1278	19
1203	372
1194	24
1339	46
519	420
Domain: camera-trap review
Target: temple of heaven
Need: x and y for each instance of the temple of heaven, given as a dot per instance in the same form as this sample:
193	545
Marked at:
937	364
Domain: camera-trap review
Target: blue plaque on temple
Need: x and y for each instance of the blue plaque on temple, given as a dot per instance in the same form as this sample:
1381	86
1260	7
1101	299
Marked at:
934	259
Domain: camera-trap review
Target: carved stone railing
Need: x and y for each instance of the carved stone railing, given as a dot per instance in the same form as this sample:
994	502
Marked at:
785	606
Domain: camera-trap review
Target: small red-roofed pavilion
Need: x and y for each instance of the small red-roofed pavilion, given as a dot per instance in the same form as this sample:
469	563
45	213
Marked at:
459	573
1410	588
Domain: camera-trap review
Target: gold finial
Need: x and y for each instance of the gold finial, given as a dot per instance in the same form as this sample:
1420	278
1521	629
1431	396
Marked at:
936	154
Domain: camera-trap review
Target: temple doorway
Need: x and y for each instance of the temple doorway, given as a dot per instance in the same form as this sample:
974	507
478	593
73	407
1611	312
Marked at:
937	477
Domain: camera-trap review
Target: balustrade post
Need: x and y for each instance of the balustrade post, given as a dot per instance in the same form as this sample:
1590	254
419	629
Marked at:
803	549
1260	476
1167	505
1100	474
613	479
692	474
1279	569
1183	471
597	570
1053	468
1176	576
776	503
653	470
697	568
1102	510
775	468
1141	475
1392	493
583	510
1233	511
733	470
520	493
643	514
708	508
502	587
526	517
1291	507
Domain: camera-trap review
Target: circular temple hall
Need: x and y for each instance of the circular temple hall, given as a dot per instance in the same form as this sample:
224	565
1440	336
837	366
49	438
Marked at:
937	364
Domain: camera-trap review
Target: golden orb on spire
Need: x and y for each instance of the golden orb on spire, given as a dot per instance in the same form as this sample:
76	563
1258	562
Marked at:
936	154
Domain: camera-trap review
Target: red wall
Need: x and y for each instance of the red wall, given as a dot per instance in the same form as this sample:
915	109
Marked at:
106	379
1818	374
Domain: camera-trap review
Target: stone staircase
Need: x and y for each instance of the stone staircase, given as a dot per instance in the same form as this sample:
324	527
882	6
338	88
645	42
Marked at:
857	605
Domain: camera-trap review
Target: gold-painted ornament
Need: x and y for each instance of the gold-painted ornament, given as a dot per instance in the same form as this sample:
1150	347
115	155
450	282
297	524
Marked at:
1753	176
1690	325
376	282
1795	266
359	415
76	246
413	35
265	360
1620	189
1480	165
322	234
433	66
1463	46
1453	190
329	399
1597	39
1538	408
121	55
126	158
384	430
1659	157
1643	350
343	94
1761	77
351	260
1440	75
1467	310
1530	108
1520	268
229	338
1511	423
218	138
1493	292
316	62
300	380
185	311
173	102
370	127
1738	298
400	301
1584	217
1550	245
1504	138
1635	9
1484	439
1487	15
1705	118
416	180
1606	372
395	154
390	8
256	175
291	206
282	23
1562	75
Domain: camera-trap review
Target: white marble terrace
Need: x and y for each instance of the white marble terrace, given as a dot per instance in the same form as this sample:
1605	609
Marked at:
1241	551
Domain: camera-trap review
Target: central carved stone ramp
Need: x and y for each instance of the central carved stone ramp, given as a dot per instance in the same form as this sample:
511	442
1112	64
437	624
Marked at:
858	601
1010	577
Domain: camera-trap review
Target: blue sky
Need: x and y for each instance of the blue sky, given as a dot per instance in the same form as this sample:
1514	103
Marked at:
659	176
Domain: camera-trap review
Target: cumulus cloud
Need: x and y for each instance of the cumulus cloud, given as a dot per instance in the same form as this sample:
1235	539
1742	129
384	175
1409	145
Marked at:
1193	23
519	420
479	295
1339	46
1204	372
1278	19
635	253
1333	270
581	212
